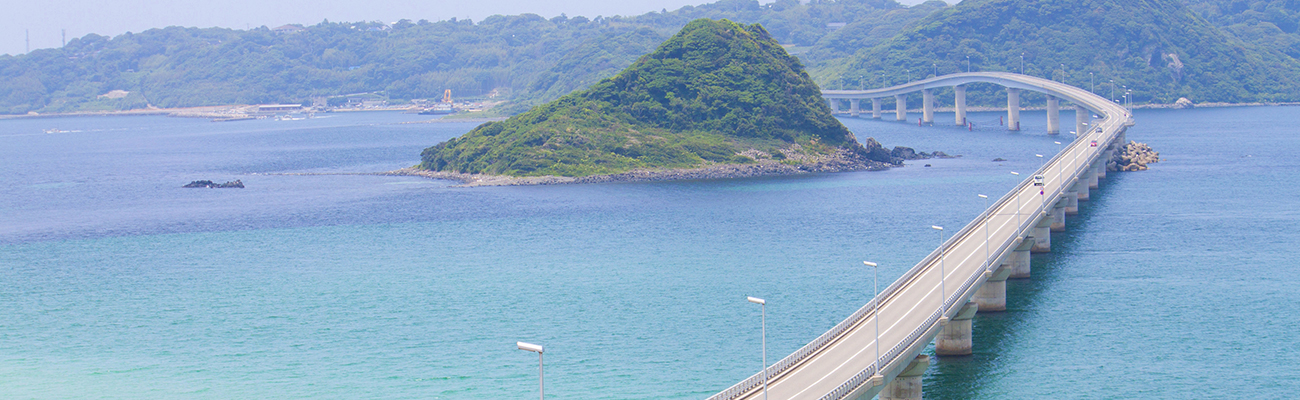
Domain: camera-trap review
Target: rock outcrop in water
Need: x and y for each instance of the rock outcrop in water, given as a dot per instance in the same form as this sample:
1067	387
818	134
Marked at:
237	184
908	153
1133	156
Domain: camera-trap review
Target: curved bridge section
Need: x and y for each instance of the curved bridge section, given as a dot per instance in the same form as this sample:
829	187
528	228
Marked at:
877	348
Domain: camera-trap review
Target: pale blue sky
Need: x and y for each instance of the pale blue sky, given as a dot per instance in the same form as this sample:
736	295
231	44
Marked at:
45	19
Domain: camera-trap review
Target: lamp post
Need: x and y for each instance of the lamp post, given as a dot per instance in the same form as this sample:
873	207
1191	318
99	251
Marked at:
1022	63
909	75
986	229
1058	166
763	304
1112	90
967	64
943	303
876	293
1092	87
936	69
1017	205
860	82
541	378
1062	73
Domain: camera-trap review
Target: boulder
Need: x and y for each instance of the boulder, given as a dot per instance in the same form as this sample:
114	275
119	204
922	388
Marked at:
1183	103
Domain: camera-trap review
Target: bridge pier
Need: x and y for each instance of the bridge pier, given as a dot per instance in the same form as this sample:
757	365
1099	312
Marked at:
1019	260
954	337
1053	115
1058	213
960	100
992	295
1043	234
853	107
1081	119
1013	109
1092	174
900	106
1081	187
875	108
1072	201
927	106
907	385
1101	169
835	105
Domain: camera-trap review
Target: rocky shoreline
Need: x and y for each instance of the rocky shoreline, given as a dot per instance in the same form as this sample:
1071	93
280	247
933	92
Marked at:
842	161
1132	157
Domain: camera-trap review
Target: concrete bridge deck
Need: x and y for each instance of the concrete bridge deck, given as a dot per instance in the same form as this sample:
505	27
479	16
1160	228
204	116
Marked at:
933	300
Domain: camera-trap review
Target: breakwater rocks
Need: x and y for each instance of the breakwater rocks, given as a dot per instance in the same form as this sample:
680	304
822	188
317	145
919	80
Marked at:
908	153
237	184
1133	156
842	161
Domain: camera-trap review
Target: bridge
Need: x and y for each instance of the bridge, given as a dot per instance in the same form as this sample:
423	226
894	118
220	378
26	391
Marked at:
877	349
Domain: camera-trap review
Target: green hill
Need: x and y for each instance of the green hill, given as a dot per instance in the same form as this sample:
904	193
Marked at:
715	93
1160	49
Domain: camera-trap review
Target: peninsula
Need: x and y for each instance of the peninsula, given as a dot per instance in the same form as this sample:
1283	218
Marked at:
718	99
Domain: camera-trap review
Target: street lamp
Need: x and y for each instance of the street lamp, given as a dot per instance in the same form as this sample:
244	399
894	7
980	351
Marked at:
986	228
763	304
860	82
876	291
1022	63
1058	166
967	64
936	69
909	75
942	274
1017	205
1092	86
1062	73
1112	90
541	380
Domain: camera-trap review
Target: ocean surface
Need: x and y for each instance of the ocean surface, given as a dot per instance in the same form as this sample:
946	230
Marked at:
116	283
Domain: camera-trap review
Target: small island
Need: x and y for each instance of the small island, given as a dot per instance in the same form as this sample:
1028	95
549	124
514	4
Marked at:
236	184
718	99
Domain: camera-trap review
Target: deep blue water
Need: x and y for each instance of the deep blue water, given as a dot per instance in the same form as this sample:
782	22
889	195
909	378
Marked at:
116	283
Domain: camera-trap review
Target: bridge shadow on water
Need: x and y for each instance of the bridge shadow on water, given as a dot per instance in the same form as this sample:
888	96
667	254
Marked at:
995	334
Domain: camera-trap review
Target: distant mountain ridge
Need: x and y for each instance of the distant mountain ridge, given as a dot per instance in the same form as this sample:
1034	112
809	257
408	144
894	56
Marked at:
716	93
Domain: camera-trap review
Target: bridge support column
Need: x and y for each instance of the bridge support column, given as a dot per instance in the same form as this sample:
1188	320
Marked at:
1043	234
1058	213
992	295
907	385
1101	169
875	108
1053	116
960	100
835	105
954	337
1071	201
1019	260
1092	174
1081	119
900	106
1013	109
853	107
1081	186
927	106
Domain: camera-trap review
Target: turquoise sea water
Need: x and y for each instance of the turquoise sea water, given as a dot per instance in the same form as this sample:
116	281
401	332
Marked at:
116	283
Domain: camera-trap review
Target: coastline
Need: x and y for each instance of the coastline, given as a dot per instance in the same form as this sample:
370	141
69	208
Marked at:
224	111
839	163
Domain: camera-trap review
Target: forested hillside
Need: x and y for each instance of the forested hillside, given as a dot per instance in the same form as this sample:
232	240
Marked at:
716	93
525	58
1160	49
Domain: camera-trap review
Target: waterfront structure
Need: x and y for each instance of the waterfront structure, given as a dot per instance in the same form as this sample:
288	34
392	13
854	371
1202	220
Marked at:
843	362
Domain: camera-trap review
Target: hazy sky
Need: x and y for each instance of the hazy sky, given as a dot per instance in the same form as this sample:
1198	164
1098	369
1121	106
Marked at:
45	19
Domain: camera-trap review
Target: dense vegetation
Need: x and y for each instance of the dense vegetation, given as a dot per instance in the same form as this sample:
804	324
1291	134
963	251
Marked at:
525	58
715	90
1160	49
